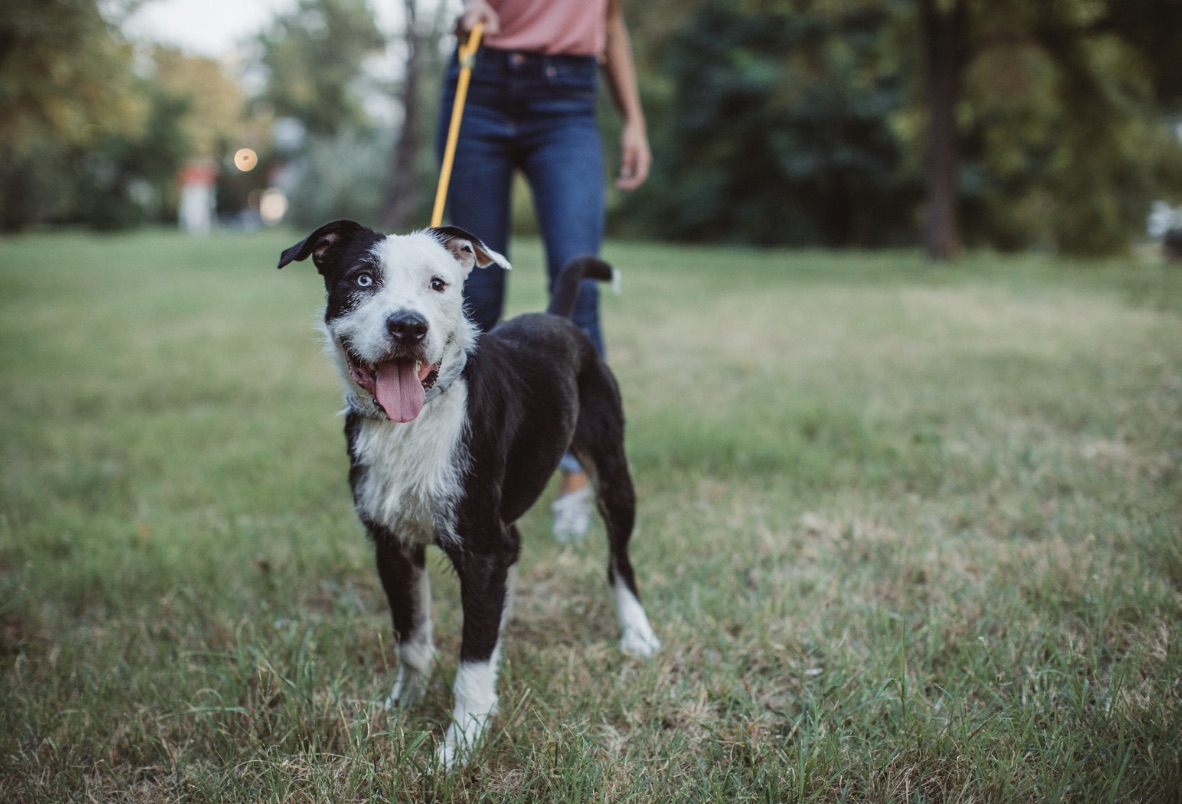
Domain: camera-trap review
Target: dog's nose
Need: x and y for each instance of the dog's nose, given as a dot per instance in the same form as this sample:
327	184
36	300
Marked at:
406	327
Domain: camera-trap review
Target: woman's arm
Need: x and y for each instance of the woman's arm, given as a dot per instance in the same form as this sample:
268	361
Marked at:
635	156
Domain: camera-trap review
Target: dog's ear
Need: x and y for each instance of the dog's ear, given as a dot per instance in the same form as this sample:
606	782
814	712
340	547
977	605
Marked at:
319	245
468	249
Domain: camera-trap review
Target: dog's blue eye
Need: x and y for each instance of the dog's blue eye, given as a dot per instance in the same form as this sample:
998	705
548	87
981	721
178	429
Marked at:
363	280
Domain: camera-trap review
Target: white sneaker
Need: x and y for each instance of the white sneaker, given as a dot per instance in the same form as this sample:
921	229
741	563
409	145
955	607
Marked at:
571	515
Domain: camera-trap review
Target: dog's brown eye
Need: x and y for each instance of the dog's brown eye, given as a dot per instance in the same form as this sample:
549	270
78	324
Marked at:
438	285
364	280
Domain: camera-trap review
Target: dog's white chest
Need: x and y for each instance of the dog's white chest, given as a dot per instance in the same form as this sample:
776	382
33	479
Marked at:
413	472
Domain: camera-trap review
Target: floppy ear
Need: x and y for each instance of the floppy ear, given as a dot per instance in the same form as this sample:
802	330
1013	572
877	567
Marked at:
468	249
320	243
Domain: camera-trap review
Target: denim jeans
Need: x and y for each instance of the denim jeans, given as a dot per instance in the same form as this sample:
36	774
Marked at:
537	114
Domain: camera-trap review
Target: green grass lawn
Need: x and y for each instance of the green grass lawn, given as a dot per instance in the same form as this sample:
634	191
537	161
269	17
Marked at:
906	533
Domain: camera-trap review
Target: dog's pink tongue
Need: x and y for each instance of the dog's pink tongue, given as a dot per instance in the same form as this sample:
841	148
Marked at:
399	390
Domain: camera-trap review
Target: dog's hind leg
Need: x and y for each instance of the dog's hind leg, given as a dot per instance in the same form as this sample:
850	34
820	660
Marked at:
486	589
599	446
617	506
408	590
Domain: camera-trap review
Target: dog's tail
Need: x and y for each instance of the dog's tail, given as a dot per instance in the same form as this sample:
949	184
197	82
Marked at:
566	287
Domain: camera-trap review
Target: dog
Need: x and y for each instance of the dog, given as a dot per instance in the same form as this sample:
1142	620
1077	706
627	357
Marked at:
453	435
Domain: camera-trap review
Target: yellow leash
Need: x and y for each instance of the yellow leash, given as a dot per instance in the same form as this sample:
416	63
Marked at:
467	57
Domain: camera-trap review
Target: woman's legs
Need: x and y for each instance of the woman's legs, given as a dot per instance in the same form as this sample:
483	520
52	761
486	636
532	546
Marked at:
564	167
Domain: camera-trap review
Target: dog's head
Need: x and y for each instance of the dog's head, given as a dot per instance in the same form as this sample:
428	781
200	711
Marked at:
395	310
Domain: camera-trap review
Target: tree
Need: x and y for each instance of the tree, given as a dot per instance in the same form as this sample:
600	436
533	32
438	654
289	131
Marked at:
1005	123
218	105
339	152
412	161
398	198
66	77
942	25
313	57
1061	109
783	129
314	61
123	179
83	138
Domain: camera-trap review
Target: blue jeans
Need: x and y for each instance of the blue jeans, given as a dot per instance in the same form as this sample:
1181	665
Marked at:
537	114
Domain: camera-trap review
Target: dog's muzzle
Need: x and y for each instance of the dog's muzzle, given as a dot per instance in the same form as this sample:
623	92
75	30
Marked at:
398	384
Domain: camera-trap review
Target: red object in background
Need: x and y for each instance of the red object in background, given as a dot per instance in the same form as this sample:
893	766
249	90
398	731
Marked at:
204	173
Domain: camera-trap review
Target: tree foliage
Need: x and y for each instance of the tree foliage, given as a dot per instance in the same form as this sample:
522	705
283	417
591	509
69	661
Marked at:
412	167
1064	118
349	164
783	126
773	121
809	121
84	136
218	104
313	56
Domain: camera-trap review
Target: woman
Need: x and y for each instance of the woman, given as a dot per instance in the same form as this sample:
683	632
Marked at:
531	106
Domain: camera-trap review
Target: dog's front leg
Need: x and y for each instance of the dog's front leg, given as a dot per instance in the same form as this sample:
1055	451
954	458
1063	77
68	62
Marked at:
486	589
408	589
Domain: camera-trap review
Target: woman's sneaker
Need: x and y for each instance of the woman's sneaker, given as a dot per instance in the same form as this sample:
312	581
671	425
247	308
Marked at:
571	515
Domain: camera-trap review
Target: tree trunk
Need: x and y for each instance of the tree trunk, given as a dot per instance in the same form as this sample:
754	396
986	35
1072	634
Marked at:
943	25
400	199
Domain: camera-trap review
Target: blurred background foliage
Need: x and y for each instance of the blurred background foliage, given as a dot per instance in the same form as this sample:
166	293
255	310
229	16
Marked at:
774	122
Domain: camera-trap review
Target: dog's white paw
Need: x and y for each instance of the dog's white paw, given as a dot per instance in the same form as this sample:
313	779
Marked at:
639	642
409	686
448	757
636	635
453	752
463	735
475	705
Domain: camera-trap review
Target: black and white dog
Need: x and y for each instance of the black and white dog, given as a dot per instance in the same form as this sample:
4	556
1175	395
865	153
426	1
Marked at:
453	437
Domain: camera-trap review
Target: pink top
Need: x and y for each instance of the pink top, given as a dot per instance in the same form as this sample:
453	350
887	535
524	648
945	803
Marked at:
568	27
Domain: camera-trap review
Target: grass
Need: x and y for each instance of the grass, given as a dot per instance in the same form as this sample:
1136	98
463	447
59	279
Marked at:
907	533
